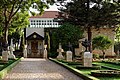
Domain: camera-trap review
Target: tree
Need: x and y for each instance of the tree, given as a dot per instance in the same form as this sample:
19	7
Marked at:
91	13
19	22
9	8
66	33
101	42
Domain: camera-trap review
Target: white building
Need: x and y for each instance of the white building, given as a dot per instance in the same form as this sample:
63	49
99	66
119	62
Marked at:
34	34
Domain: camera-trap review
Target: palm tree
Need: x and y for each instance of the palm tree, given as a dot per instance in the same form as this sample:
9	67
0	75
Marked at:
101	42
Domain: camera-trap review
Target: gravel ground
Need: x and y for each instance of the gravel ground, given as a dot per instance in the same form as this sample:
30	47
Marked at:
40	69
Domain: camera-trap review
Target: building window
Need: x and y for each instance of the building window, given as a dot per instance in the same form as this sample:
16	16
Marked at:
31	20
39	23
31	23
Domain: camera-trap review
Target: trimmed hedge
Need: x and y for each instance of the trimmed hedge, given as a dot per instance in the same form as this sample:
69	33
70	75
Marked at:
110	68
93	67
4	72
73	63
116	63
105	73
75	71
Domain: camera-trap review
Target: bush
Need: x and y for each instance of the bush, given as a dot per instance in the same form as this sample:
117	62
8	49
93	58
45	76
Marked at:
53	54
96	56
93	67
18	53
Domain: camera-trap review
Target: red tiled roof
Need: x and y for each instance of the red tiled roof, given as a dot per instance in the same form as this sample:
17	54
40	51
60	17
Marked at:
47	14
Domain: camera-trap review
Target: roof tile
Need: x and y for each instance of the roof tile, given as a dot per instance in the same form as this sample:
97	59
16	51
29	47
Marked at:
47	14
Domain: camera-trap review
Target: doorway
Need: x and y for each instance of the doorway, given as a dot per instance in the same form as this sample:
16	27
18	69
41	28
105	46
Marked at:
34	49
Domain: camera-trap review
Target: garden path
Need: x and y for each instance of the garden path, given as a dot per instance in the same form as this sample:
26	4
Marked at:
40	69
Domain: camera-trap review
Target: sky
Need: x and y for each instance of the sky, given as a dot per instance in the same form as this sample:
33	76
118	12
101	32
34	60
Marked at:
52	8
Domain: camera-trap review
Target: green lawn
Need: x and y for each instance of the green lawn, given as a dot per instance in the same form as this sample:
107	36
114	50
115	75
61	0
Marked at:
107	64
111	66
4	65
88	71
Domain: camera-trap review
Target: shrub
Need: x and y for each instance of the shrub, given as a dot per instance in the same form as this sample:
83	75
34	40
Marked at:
102	43
93	67
96	56
53	54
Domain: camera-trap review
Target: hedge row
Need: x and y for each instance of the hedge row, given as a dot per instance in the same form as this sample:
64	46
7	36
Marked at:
4	72
75	71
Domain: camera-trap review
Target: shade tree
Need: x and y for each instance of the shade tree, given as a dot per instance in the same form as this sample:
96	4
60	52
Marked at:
9	9
90	13
64	34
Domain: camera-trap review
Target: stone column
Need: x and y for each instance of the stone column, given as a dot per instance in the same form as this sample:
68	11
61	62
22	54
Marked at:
11	49
25	51
5	56
87	59
45	52
11	55
69	56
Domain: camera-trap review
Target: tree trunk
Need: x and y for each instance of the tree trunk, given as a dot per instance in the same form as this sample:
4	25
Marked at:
88	27
5	38
103	54
5	44
90	39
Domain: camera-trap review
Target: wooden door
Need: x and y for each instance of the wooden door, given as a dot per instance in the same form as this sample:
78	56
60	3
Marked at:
34	48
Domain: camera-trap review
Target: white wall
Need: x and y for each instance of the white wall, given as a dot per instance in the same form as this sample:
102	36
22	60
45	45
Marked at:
29	31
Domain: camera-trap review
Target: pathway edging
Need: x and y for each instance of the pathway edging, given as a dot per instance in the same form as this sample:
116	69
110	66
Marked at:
75	71
5	71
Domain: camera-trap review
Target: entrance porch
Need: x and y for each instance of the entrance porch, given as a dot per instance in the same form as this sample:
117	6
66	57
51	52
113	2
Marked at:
35	49
35	46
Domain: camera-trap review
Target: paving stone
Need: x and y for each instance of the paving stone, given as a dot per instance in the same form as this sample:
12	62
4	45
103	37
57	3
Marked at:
40	69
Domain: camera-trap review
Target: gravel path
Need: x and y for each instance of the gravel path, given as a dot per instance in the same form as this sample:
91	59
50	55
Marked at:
40	69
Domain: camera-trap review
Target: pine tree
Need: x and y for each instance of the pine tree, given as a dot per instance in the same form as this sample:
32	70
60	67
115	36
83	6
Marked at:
91	13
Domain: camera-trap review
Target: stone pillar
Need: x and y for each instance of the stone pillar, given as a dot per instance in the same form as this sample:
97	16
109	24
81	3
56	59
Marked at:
11	55
5	56
25	51
60	50
69	56
45	52
87	59
11	49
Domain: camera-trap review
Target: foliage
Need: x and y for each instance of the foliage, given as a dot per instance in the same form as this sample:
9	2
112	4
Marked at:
96	56
117	34
97	13
66	33
83	74
101	42
47	40
22	44
90	13
7	67
19	21
116	47
10	8
53	54
108	65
